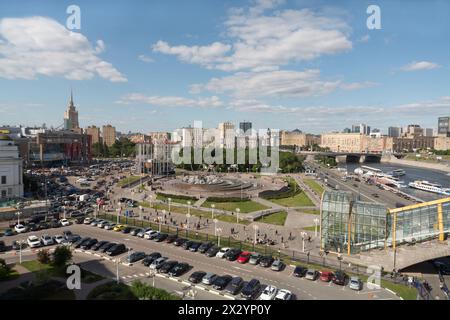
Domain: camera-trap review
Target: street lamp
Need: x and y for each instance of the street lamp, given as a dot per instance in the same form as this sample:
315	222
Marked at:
188	216
160	220
316	223
237	214
212	210
215	227
255	227
118	214
152	274
303	234
18	213
218	232
140	212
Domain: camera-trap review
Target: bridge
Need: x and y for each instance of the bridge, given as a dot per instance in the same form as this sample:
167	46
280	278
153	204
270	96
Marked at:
342	157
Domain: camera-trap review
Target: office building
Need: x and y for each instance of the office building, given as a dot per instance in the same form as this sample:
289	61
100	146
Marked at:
94	132
11	169
394	132
361	128
109	135
71	116
245	126
444	126
227	135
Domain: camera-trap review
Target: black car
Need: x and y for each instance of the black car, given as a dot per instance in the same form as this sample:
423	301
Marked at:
179	242
179	269
221	282
81	241
167	266
135	256
251	289
187	244
8	232
171	238
299	271
106	246
235	285
97	246
73	238
266	261
134	232
147	261
339	278
43	225
79	220
54	224
116	249
66	234
194	246
32	226
196	277
88	244
205	247
3	247
232	254
212	251
161	237
15	245
126	230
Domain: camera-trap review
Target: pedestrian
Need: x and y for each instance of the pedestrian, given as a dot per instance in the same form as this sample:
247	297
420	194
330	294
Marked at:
282	239
276	232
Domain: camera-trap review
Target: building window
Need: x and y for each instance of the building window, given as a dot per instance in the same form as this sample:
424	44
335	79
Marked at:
3	179
3	193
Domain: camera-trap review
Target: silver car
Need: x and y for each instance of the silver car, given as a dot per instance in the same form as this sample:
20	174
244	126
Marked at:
109	226
209	278
277	265
102	224
311	274
158	263
355	284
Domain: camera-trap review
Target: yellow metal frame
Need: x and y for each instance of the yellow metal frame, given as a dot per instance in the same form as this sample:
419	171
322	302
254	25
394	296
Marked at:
419	205
440	222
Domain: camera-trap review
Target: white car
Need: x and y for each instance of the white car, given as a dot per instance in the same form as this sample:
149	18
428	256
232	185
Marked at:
58	238
268	293
64	222
150	234
20	228
47	240
87	221
109	226
222	252
283	294
33	242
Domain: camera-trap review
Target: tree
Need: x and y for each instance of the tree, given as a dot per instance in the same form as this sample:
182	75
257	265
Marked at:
4	269
43	256
61	256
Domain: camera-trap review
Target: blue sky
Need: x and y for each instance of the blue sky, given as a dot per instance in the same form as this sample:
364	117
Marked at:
158	65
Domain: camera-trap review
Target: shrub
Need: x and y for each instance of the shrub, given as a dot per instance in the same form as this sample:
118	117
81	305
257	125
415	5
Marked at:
4	269
176	196
61	256
226	199
43	256
146	292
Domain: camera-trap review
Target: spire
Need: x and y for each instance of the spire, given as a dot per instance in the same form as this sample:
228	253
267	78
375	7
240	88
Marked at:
71	98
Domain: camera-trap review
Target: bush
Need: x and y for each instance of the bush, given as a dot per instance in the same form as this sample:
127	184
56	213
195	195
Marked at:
4	270
61	256
146	292
111	291
43	256
226	199
176	196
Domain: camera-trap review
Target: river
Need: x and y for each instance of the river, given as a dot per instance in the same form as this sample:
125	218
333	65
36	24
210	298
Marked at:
412	174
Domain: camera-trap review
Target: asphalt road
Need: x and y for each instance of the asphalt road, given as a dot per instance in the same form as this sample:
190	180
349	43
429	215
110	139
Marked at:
303	289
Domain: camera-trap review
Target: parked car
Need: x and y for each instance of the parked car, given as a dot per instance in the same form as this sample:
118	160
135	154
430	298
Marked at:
222	252
179	269
160	237
232	254
194	246
20	228
102	224
150	234
16	245
141	233
135	232
179	242
196	277
71	239
135	256
167	266
119	227
205	247
266	261
235	285
58	238
268	293
251	289
88	244
255	258
221	282
186	245
148	260
8	232
64	222
116	249
339	278
33	241
171	238
209	278
326	276
126	230
99	244
66	234
110	226
299	271
212	252
87	220
311	274
47	240
277	265
32	226
80	241
355	284
106	247
283	294
244	257
4	248
158	263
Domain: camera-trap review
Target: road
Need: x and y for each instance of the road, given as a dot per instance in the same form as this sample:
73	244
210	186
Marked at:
302	288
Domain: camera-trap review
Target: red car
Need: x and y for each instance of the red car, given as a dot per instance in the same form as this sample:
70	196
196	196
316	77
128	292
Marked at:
244	257
326	276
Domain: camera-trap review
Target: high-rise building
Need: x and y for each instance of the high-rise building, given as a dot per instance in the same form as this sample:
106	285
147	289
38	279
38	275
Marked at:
394	132
361	128
245	126
444	126
95	133
226	135
347	130
428	132
71	116
11	170
109	135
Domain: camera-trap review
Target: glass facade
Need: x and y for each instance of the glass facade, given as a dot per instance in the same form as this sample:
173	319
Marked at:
351	226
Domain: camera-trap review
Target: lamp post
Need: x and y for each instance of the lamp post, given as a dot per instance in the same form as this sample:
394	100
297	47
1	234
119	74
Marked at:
170	200
255	227
316	223
188	216
237	214
215	227
118	214
303	234
140	212
160	221
219	232
152	274
21	242
212	210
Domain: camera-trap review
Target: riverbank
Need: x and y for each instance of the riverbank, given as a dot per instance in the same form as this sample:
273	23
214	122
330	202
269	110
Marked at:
417	164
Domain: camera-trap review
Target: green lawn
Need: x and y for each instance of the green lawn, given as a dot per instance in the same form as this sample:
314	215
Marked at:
309	211
314	186
299	200
174	199
13	274
277	218
128	180
245	206
35	266
312	228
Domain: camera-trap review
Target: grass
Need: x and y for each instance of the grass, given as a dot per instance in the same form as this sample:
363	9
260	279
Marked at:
299	200
128	180
245	206
276	218
312	228
13	274
317	188
174	199
35	266
310	211
402	290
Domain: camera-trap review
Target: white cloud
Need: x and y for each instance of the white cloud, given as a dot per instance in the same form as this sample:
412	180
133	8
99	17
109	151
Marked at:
35	46
365	38
171	101
278	83
421	65
267	41
442	103
145	58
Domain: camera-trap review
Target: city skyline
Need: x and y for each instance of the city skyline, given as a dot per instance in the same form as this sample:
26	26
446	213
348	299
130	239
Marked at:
206	62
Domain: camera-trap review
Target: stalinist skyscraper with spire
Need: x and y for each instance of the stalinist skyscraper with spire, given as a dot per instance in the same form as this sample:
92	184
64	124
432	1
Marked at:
71	115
